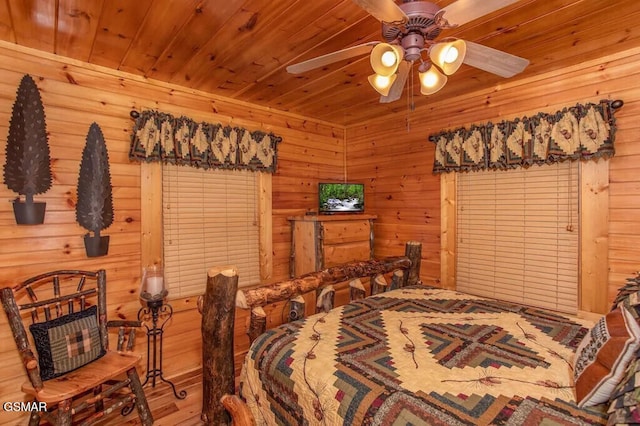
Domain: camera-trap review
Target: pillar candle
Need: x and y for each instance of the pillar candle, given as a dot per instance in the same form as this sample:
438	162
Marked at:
154	285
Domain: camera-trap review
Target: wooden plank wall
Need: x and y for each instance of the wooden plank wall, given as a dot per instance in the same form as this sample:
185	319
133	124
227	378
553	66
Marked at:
75	95
395	159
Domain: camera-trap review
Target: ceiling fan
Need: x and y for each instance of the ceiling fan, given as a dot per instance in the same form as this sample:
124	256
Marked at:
411	29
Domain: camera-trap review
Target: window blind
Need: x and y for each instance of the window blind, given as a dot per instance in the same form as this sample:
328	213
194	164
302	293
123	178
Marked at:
210	218
517	235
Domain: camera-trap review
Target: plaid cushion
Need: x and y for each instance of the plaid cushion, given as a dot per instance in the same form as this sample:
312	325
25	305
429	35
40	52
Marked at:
66	343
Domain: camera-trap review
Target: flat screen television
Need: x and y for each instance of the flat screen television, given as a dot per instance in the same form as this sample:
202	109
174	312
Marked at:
340	198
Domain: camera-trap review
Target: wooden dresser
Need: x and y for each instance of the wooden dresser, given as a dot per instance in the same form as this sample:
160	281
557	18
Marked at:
321	241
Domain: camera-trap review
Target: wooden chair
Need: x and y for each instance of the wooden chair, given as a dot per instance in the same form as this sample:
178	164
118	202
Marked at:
67	310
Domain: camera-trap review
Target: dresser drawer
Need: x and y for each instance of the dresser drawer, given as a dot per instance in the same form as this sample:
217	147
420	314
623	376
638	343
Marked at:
346	231
335	254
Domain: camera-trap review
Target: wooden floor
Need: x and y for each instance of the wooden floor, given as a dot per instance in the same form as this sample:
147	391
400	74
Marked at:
166	408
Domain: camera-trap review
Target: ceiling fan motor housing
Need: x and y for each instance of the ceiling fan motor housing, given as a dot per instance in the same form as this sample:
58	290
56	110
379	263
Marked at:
412	43
421	26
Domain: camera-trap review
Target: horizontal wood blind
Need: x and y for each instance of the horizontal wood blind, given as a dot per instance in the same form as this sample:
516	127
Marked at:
518	235
210	218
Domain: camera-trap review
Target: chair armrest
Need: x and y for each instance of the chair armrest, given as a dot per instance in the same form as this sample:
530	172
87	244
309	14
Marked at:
31	364
123	327
29	359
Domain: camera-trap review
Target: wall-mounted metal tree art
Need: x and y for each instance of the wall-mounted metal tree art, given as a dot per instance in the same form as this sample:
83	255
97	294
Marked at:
27	168
94	208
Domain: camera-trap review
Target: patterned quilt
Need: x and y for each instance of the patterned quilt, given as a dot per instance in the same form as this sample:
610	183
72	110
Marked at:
418	356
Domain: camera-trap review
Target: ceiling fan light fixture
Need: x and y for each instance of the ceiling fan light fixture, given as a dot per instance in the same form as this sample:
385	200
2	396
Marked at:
431	79
385	58
382	83
448	55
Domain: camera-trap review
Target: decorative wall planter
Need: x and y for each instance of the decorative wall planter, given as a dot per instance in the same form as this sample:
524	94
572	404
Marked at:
27	169
29	213
97	245
94	208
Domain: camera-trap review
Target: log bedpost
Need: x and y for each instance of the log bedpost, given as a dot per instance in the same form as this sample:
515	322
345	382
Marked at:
378	284
397	279
257	323
413	250
357	290
325	299
218	315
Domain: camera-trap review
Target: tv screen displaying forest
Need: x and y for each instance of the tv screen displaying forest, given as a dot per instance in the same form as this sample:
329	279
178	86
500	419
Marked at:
341	197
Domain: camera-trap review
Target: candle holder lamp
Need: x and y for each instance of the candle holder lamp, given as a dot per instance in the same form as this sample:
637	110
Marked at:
157	312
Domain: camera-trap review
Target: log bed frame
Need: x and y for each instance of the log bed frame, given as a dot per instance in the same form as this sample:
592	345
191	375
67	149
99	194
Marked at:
220	405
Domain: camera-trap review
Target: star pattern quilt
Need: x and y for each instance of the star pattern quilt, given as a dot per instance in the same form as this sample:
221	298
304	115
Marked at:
419	356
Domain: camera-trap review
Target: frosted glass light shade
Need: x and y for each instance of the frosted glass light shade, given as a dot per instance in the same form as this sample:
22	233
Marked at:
431	81
385	58
388	58
382	83
448	56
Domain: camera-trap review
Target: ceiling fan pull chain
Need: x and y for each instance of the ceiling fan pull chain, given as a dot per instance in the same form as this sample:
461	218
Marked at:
409	98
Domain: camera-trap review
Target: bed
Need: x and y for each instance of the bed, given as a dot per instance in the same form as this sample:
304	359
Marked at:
420	355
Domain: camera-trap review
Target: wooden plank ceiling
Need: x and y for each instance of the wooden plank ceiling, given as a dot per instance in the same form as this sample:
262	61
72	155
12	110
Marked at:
240	48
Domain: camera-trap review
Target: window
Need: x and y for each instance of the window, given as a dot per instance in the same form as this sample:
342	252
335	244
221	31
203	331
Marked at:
518	236
210	218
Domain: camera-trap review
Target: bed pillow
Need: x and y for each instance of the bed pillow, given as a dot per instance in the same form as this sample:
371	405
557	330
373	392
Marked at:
66	343
603	356
623	407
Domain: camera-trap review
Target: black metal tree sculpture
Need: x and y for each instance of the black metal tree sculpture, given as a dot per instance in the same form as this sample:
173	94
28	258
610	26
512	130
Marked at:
27	169
94	208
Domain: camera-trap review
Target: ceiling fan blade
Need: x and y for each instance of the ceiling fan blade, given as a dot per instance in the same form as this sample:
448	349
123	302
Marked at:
398	86
494	61
463	11
383	10
329	58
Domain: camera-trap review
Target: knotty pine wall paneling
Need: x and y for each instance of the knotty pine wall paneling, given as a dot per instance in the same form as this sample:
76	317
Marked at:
76	94
393	156
395	165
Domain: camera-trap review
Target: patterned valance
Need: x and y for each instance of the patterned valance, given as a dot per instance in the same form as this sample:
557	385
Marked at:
578	132
162	137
